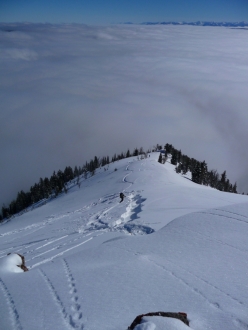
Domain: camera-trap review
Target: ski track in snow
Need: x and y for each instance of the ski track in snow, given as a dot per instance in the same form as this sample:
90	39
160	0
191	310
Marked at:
55	240
106	214
59	254
125	180
214	304
209	284
108	219
36	226
14	316
224	216
240	215
210	238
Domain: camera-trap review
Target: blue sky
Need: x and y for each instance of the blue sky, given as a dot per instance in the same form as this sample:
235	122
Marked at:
116	11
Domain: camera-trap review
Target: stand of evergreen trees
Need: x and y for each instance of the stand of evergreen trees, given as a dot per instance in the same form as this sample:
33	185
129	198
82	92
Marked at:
50	188
199	171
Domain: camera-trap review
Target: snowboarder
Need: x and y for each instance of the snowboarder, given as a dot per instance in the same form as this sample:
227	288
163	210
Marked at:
122	197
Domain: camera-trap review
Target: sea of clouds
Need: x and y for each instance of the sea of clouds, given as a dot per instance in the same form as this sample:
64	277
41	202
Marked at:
70	92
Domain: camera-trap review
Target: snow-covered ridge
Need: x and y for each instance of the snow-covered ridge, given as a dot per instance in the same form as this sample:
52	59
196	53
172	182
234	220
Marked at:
93	266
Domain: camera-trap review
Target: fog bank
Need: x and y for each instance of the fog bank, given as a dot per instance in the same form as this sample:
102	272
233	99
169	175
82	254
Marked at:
70	92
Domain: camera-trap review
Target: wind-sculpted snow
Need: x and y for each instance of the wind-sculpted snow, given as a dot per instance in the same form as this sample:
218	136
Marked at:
96	263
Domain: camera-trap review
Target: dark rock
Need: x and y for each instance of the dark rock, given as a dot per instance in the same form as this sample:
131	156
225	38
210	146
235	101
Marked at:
180	316
22	266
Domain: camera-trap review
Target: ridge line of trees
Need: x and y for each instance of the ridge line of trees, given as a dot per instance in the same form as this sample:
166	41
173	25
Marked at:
49	188
199	171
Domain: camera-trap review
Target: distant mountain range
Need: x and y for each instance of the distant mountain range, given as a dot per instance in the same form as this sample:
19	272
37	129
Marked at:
200	23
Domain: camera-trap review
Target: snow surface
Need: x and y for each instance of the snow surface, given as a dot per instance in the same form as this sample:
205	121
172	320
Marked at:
96	264
10	264
160	323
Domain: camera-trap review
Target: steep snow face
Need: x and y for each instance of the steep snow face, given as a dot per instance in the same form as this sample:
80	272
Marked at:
94	266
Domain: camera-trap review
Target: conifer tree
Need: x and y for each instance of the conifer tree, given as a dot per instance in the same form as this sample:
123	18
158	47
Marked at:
178	168
196	173
96	163
234	190
204	173
168	148
136	152
57	182
174	157
76	172
222	182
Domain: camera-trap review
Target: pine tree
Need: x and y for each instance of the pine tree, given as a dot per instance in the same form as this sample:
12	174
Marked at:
47	188
174	157
222	181
235	188
178	168
204	173
196	173
213	178
135	152
67	175
76	172
168	148
5	211
96	162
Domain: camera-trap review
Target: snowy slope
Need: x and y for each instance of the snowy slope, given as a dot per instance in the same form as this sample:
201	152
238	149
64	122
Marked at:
93	266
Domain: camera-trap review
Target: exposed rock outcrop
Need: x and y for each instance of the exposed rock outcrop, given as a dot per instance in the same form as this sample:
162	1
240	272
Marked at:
22	264
180	316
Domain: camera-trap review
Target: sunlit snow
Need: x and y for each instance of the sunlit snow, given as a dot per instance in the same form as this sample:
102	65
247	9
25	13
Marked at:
96	264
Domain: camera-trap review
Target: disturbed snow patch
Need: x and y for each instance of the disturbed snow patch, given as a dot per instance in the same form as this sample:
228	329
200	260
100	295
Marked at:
116	216
9	264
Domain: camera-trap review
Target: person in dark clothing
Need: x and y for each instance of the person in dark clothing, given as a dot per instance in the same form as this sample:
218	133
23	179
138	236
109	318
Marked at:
122	197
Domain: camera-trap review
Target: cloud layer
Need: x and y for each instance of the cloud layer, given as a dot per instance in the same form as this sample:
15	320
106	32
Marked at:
70	92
